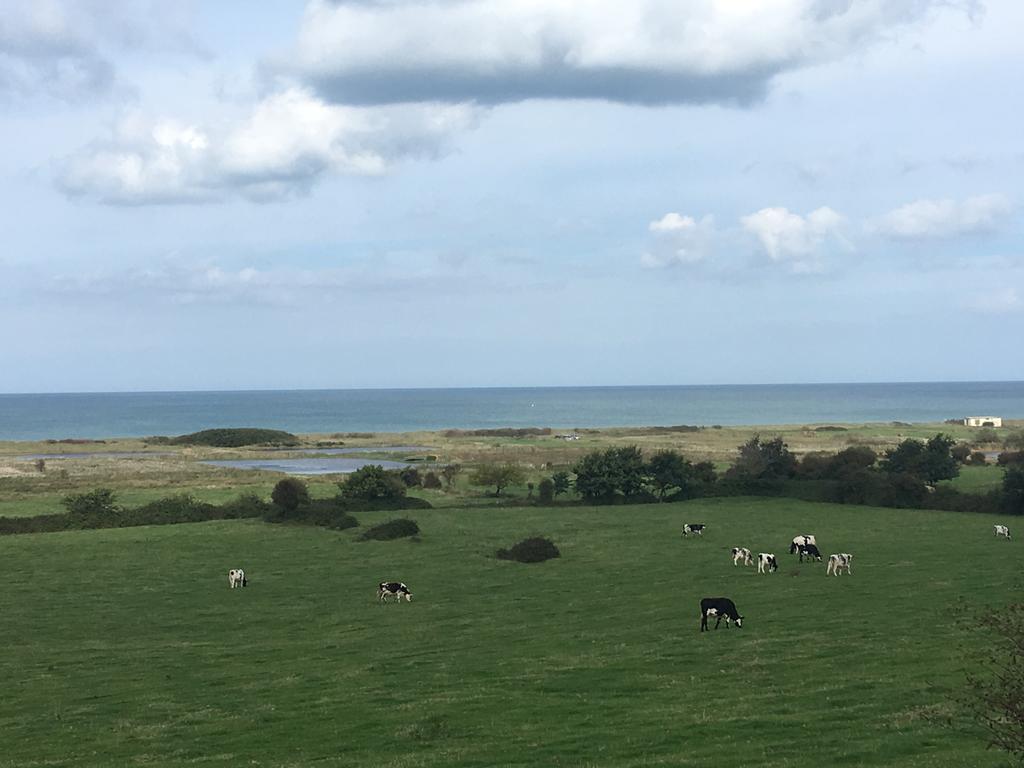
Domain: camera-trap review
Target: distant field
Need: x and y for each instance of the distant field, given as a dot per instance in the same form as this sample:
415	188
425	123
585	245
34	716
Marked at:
126	647
978	479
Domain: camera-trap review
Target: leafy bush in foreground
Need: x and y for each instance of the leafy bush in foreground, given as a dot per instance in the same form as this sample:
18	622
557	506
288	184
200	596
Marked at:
392	529
532	550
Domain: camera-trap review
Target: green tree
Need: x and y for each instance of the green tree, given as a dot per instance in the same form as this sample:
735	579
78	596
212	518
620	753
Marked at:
996	692
100	501
289	494
546	491
410	476
931	461
372	483
1013	490
561	482
498	475
668	470
764	460
449	472
601	475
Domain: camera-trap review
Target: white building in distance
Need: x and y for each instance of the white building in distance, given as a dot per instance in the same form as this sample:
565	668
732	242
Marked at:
983	421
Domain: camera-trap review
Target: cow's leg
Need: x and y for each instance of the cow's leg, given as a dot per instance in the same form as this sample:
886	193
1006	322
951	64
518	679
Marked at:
703	622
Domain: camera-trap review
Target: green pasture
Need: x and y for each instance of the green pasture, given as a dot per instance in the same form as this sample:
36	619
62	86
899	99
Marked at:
126	647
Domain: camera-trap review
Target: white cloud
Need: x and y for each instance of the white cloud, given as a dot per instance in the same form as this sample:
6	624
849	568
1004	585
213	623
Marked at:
936	219
643	51
679	241
285	144
795	240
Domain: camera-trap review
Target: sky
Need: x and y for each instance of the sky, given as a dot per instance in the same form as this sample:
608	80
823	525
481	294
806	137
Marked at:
444	193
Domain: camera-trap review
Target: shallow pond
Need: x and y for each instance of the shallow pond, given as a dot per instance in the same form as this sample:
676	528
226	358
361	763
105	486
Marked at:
361	449
305	466
95	455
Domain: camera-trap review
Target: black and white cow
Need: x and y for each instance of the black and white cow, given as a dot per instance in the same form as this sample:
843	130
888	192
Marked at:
720	608
394	589
802	540
810	552
1002	530
766	563
837	562
236	578
741	554
695	528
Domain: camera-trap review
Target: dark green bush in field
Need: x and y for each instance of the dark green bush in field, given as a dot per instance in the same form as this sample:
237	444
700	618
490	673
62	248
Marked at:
289	494
763	460
977	459
411	477
392	529
500	476
431	480
183	508
1010	458
1013	490
326	513
546	491
532	550
562	482
99	502
372	483
236	437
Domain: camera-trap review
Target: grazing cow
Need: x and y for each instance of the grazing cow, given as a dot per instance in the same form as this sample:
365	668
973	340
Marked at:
395	589
836	564
695	528
766	563
810	552
1002	530
802	540
720	608
741	554
236	578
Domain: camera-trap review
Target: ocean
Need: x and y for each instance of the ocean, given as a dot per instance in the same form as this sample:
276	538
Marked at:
139	414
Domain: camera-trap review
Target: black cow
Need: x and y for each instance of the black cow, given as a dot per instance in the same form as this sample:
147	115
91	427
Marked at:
810	552
694	528
720	608
395	589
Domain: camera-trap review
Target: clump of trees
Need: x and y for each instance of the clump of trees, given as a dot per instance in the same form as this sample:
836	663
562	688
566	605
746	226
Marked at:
622	473
931	461
289	494
759	459
372	483
235	437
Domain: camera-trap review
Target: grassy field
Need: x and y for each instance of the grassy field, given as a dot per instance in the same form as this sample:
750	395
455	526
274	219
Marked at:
126	647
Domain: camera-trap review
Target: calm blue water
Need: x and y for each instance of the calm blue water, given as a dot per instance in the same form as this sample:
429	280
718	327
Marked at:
306	466
34	417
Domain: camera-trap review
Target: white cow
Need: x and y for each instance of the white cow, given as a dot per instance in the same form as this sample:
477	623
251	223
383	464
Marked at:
801	541
837	562
766	563
236	578
1002	530
741	554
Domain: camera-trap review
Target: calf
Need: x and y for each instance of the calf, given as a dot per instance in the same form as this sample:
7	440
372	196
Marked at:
836	564
394	589
720	608
236	578
1002	530
695	528
766	563
810	552
800	541
741	554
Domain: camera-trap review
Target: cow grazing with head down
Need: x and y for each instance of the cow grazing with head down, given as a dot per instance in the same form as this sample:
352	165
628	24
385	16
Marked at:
395	589
837	562
720	608
1002	530
801	541
236	578
741	554
697	529
766	563
810	552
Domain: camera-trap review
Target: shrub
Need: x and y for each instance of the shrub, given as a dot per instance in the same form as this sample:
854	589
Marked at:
767	460
236	437
431	480
449	473
372	483
183	508
546	491
93	503
533	550
960	452
601	476
289	494
562	482
977	458
411	477
1015	441
1010	458
392	529
930	461
985	436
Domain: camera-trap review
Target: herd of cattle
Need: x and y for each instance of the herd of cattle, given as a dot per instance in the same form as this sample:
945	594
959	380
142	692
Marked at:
710	607
804	544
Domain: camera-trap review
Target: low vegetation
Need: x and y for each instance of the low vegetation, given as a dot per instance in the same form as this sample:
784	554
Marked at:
392	529
233	437
533	550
